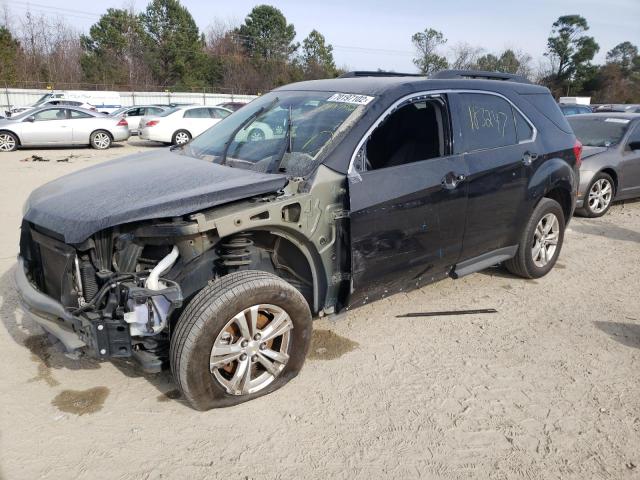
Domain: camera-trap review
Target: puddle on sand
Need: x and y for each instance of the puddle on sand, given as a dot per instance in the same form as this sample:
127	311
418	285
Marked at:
38	345
561	266
326	345
507	287
170	395
81	402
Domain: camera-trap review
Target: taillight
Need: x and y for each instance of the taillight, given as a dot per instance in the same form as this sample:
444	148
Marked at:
577	151
151	123
122	123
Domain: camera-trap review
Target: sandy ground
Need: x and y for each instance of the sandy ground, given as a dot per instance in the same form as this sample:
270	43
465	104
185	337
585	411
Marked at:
546	388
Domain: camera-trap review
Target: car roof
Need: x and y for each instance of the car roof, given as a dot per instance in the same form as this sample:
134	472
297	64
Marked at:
379	86
604	115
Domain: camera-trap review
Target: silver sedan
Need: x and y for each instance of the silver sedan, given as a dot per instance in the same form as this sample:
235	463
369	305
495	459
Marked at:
54	126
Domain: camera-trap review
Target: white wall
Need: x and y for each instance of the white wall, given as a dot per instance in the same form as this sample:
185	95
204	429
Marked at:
14	97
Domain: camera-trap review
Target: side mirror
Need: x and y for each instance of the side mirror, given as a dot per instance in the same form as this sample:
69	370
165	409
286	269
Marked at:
30	118
635	145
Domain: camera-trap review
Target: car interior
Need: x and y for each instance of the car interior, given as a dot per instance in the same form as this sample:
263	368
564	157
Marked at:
414	132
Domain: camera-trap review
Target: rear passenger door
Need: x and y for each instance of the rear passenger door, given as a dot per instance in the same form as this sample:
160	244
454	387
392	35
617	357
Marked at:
500	152
197	120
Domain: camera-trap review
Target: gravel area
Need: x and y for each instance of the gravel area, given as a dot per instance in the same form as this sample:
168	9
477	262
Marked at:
548	387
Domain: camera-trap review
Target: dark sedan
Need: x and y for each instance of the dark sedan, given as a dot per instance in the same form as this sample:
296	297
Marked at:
610	160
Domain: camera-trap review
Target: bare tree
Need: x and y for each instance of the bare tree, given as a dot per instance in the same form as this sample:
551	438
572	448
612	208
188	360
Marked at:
464	56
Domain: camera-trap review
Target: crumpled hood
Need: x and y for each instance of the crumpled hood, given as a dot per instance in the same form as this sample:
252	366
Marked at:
591	151
139	187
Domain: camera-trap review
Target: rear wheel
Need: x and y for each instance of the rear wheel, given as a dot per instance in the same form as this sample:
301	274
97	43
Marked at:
599	196
541	241
181	137
100	140
241	337
8	142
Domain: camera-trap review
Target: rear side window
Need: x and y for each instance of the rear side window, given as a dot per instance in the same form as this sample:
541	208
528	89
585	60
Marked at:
524	131
197	113
487	121
547	106
77	114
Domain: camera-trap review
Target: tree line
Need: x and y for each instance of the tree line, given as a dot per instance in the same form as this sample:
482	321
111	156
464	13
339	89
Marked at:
567	68
162	47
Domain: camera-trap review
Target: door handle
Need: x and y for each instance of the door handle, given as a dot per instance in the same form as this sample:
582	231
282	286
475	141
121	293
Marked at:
529	157
451	180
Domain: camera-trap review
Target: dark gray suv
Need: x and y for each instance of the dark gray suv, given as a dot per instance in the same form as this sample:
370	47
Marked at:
215	256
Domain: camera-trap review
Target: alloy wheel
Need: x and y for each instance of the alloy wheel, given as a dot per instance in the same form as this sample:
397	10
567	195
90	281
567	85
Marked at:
101	140
181	138
252	349
600	195
545	240
7	142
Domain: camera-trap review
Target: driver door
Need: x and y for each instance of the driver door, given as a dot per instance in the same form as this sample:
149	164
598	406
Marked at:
631	164
407	203
49	127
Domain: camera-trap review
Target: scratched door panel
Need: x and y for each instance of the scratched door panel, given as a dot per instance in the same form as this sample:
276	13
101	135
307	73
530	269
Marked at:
406	228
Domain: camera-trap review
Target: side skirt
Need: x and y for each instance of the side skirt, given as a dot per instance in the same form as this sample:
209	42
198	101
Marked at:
483	261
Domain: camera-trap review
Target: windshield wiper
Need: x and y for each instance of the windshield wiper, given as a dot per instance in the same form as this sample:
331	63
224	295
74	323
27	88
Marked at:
287	145
246	122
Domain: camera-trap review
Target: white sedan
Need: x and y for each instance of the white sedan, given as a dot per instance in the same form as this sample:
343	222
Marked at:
179	125
134	114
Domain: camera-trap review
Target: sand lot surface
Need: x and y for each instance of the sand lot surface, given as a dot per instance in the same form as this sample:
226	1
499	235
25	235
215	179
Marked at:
549	387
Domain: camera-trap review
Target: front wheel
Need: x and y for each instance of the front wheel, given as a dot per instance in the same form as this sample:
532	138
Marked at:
100	140
242	336
541	241
8	142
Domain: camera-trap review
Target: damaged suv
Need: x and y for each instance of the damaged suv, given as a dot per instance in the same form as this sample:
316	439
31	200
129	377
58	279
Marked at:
215	256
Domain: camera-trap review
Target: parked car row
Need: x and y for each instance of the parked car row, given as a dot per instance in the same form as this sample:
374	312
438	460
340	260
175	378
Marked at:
577	109
59	122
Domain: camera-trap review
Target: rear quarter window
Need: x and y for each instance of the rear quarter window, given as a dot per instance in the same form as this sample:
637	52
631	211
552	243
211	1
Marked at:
487	121
547	106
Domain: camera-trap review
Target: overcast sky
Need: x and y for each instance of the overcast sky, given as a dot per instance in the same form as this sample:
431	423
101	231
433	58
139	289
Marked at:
377	34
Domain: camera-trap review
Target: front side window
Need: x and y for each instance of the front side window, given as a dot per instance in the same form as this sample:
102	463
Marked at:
51	114
414	132
599	131
487	121
281	132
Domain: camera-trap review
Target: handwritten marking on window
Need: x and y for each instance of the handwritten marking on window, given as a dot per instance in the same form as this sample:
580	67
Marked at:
481	118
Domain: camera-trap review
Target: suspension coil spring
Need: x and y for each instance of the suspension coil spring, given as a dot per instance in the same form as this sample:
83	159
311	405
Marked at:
235	251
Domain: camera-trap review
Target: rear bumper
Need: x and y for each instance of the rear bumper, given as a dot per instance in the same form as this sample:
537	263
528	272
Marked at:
120	134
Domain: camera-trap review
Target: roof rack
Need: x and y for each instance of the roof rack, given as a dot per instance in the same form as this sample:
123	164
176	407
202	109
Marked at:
480	74
377	74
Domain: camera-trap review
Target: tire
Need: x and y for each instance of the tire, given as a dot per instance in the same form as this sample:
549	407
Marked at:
600	183
8	142
255	135
181	137
527	263
100	140
207	321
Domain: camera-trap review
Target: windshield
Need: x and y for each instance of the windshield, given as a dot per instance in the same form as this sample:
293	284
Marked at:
599	131
281	132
